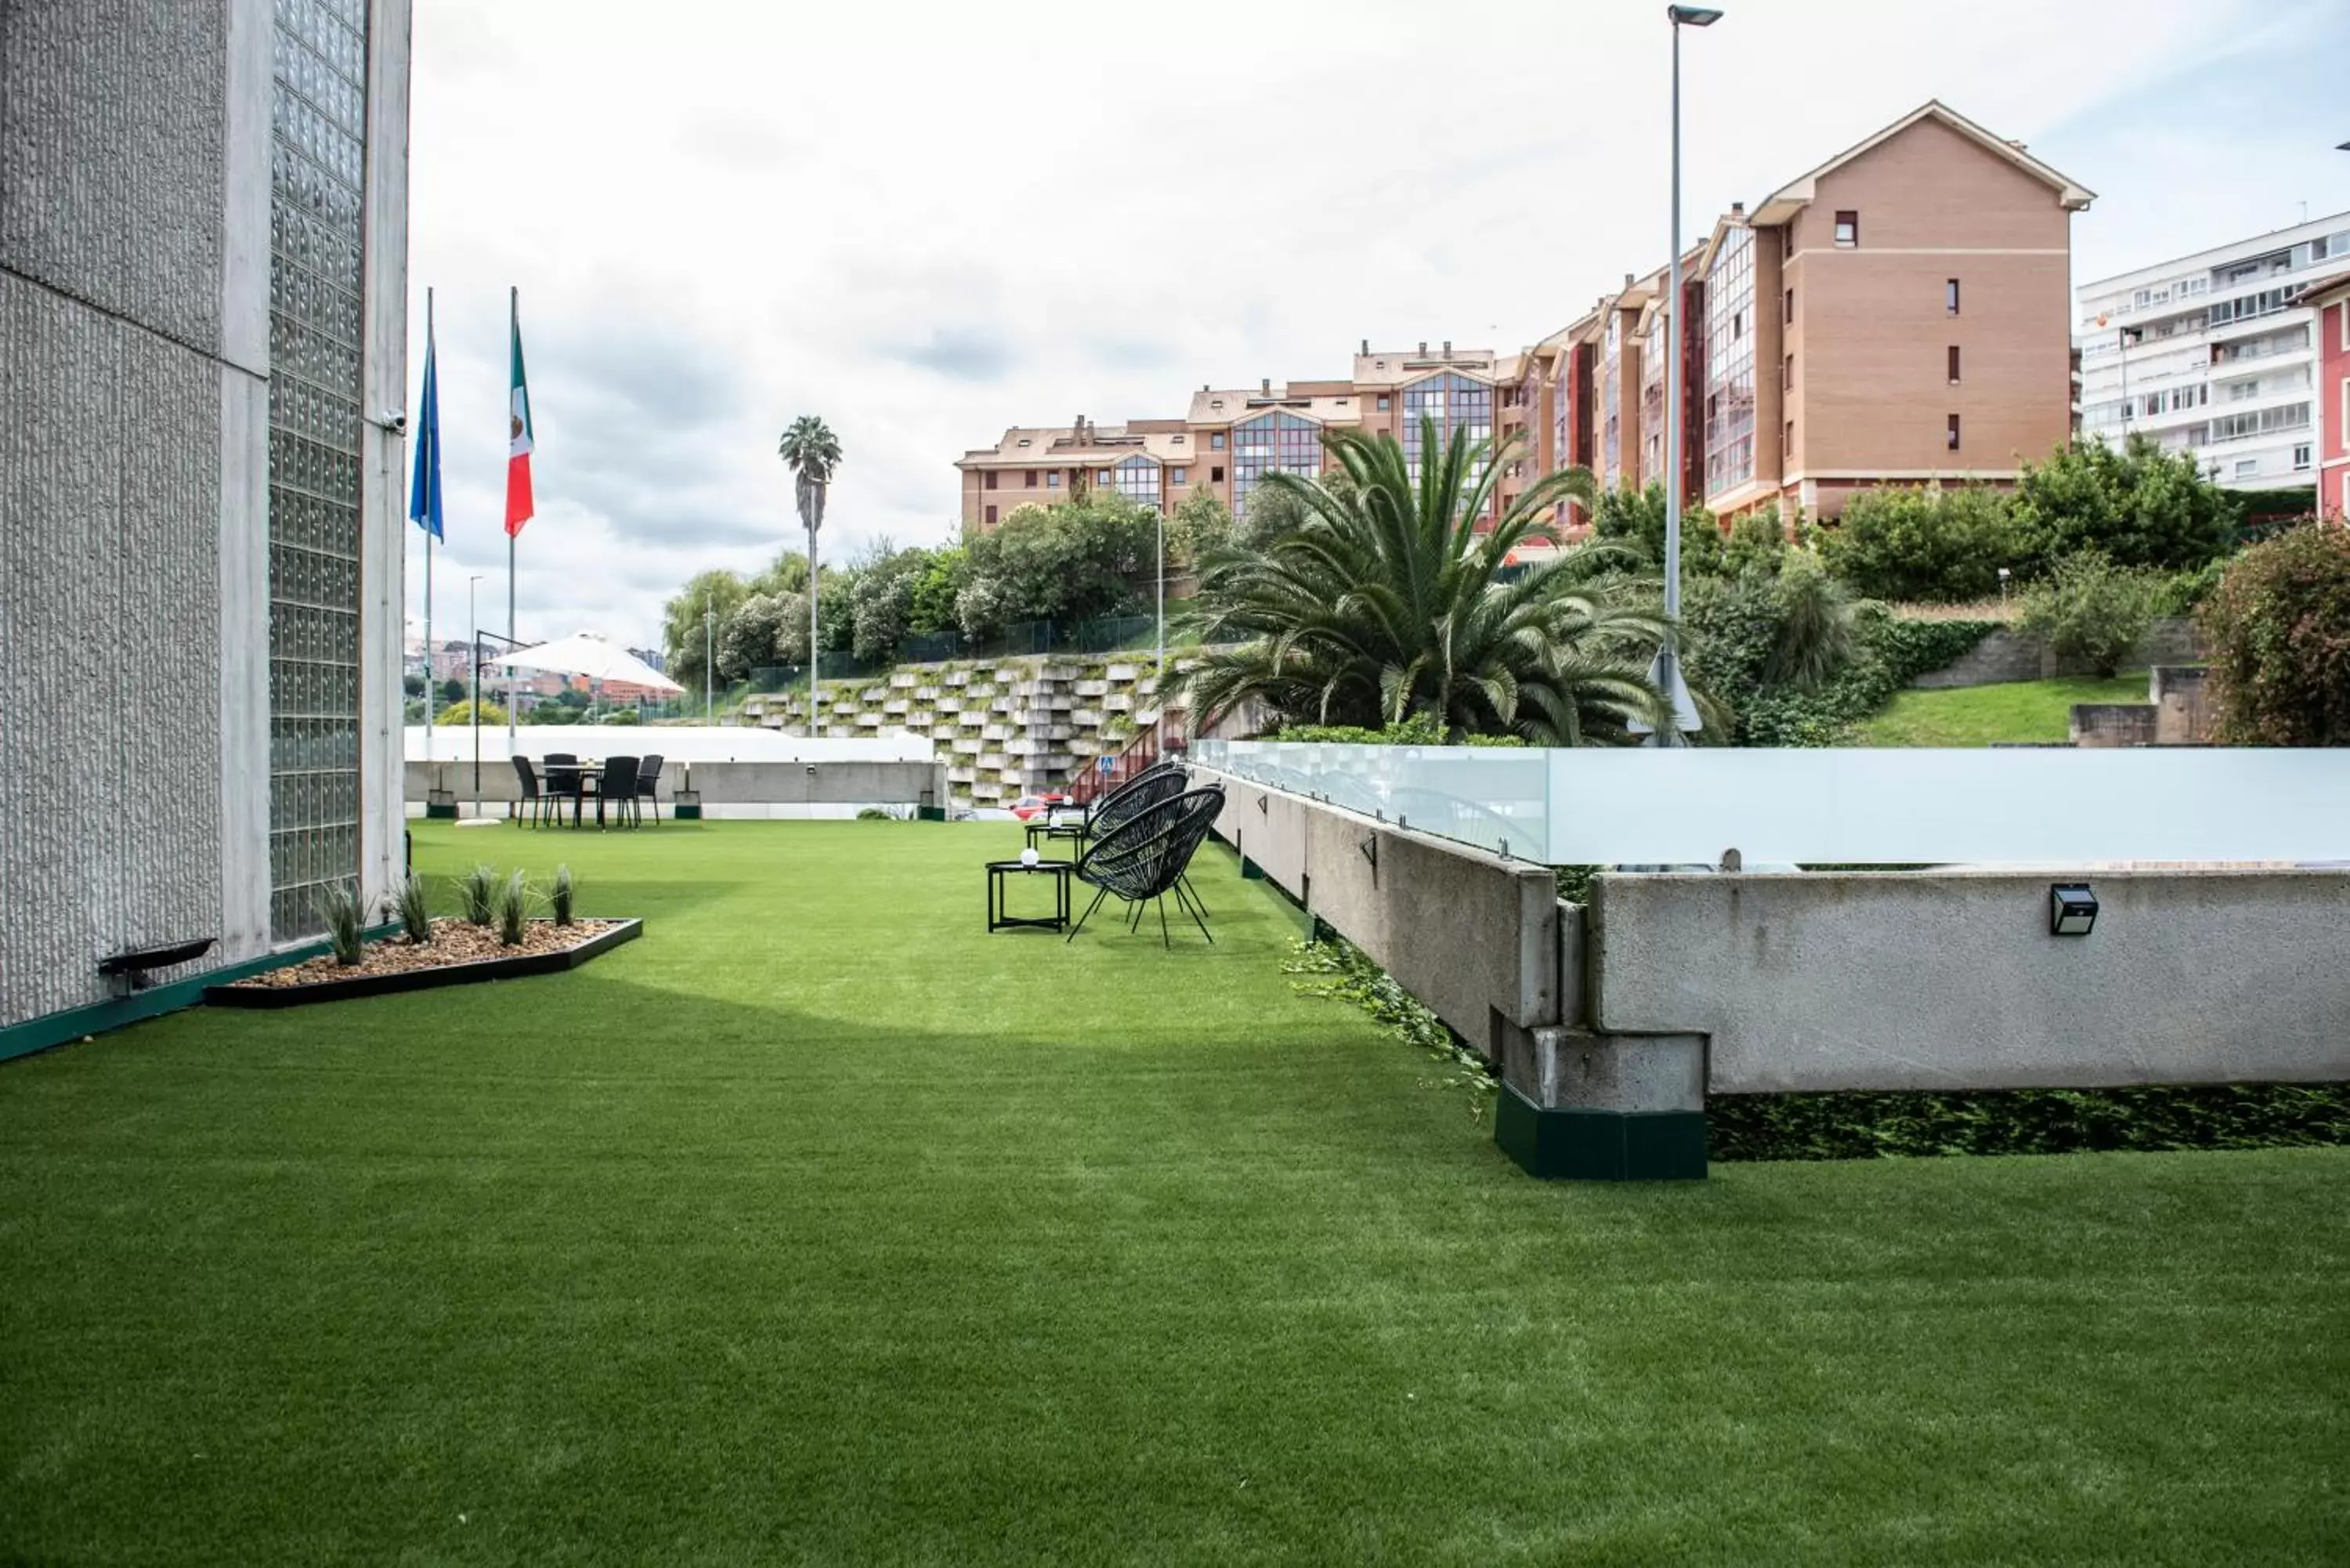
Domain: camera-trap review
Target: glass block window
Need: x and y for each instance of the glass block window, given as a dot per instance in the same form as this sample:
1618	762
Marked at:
1138	480
1272	444
317	177
1729	365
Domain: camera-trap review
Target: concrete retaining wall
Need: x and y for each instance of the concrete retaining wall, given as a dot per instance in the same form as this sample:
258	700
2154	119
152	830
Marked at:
1952	981
726	788
1474	936
2006	656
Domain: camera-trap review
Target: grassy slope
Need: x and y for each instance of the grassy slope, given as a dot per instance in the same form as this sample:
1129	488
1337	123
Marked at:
819	1226
1980	715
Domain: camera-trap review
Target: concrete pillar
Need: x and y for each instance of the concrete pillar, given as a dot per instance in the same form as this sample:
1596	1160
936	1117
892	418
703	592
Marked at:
2097	726
1602	1108
2180	715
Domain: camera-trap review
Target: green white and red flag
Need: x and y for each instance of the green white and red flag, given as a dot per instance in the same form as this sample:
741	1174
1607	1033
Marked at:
518	500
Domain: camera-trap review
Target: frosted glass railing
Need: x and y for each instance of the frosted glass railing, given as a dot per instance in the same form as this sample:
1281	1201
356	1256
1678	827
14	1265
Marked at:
1605	805
1495	798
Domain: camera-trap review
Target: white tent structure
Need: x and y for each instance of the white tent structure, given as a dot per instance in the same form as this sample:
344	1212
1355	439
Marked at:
588	653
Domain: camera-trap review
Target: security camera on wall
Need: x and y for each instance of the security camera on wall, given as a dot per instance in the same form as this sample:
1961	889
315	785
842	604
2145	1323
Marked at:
394	421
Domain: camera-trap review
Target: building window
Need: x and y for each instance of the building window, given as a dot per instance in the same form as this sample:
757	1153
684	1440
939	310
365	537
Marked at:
1787	439
1216	475
1790	316
1455	403
317	313
1216	441
1730	369
1177	476
991	516
1053	478
1787	375
1272	444
1847	229
1951	296
1103	477
1952	441
1954	364
2300	459
987	481
1383	402
1137	479
2247	467
1030	482
1787	247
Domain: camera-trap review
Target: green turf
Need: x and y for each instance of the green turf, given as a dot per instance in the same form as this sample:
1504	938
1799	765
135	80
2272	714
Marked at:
2020	710
820	1227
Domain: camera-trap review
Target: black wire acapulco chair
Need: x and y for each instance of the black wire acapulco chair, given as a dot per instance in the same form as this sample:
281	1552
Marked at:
532	805
1143	858
649	781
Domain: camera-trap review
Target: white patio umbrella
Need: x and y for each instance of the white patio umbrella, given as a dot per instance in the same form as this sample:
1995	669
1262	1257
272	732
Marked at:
588	653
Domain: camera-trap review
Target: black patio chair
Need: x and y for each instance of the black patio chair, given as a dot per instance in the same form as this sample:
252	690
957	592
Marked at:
1142	859
617	789
649	781
565	781
532	805
1081	825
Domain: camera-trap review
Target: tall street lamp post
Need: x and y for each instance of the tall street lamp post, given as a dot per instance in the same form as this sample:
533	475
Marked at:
1668	668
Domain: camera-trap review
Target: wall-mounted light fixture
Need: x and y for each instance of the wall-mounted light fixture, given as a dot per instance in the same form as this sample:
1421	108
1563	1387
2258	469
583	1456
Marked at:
2072	909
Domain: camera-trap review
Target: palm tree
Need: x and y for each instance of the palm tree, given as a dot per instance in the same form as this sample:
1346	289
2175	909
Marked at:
1386	603
813	453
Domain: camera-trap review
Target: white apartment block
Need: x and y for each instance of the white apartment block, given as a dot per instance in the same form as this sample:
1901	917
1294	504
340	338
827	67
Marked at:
2213	354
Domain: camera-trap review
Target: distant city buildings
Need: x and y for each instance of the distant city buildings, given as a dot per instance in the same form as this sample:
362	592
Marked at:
1897	315
2215	354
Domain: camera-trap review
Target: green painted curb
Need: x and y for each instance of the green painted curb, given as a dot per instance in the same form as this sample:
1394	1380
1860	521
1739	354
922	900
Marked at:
685	814
1599	1146
97	1018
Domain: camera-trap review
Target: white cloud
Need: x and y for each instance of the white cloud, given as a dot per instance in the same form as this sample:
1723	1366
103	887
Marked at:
926	222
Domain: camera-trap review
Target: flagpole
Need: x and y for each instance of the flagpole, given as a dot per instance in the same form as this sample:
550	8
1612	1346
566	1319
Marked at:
428	567
514	690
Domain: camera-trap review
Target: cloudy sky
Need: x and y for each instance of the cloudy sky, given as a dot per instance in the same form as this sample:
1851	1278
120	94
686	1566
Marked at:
926	222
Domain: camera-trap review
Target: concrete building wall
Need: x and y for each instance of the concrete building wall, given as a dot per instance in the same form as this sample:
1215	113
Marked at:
112	124
1953	982
134	383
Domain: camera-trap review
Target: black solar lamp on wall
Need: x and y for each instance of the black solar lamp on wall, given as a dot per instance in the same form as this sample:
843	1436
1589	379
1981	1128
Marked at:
2072	909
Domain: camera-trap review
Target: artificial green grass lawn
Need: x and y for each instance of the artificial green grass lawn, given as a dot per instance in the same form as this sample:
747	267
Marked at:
2015	711
820	1225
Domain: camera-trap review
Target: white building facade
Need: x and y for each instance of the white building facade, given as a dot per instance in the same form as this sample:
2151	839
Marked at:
203	258
2213	354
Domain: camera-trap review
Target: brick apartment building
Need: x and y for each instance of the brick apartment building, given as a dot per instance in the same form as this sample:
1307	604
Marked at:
1230	439
2329	298
1899	315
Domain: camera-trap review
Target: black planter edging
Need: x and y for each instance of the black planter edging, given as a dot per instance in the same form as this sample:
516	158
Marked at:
360	985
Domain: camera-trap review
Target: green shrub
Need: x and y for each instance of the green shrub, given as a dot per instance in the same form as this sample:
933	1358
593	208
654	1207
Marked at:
620	716
409	905
873	813
560	894
2137	507
1757	543
2278	628
513	909
477	891
2087	609
345	915
2183	593
1929	546
1855	1126
1418	730
1636	518
463	713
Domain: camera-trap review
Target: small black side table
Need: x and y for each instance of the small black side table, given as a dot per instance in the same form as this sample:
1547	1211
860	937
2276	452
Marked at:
998	921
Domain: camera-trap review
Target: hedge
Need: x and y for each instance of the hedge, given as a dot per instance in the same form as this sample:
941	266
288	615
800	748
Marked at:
1872	1126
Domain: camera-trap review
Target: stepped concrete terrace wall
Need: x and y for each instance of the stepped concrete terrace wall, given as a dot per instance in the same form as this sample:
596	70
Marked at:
1610	1025
2006	656
1003	728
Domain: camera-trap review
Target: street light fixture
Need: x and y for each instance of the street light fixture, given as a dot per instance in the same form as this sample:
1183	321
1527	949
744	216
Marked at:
1667	670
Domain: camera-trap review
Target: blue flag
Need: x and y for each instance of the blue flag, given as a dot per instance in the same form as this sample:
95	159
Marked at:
424	490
